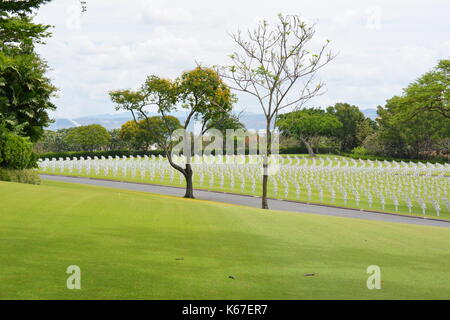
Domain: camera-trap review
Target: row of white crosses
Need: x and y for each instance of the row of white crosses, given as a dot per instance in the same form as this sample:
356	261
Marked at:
379	185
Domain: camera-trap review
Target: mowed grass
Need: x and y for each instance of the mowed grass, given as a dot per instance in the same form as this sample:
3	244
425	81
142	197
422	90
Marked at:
128	246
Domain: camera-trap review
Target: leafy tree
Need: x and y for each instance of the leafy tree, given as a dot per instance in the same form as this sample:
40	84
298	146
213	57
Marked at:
350	116
277	67
116	142
411	137
307	125
364	129
431	92
228	121
17	29
21	7
159	129
417	124
135	135
88	138
52	141
202	94
140	135
25	91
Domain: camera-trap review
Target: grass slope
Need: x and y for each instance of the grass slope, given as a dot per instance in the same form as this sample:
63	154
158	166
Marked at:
126	244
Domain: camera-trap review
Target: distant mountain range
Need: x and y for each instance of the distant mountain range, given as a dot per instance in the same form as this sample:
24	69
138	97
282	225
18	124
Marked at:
112	121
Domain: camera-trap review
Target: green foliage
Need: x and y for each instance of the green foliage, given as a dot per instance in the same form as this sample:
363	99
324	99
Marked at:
29	176
309	125
16	152
140	135
228	121
116	142
25	91
200	91
160	129
437	159
364	129
350	116
429	93
421	136
52	141
21	7
359	151
417	123
207	98
134	136
88	138
19	33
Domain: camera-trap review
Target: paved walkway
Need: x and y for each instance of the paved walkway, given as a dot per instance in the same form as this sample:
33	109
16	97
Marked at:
251	201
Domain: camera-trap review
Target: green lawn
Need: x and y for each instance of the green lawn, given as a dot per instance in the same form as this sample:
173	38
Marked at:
127	244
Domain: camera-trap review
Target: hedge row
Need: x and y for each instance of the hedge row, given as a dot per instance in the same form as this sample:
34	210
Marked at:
441	160
29	176
85	154
303	150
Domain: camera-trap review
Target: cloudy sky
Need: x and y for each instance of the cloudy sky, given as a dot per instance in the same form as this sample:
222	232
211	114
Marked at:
382	45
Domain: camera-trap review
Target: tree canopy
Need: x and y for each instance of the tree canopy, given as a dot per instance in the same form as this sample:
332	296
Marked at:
350	116
416	124
88	138
307	124
25	91
200	92
430	92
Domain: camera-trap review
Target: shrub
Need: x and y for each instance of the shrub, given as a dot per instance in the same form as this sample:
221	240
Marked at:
441	160
29	176
359	151
16	152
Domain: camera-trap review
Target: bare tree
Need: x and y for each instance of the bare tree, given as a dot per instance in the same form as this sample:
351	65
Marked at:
277	68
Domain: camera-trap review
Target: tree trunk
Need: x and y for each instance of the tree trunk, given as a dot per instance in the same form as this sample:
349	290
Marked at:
187	173
308	146
264	204
189	185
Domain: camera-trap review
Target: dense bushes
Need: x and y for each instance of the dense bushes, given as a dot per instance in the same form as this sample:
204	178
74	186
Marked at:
30	176
16	152
359	151
441	160
17	159
303	150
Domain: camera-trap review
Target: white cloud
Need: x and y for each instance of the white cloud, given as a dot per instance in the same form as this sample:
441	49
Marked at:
116	44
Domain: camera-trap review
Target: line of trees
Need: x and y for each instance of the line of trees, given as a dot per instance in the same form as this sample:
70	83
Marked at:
414	125
339	128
